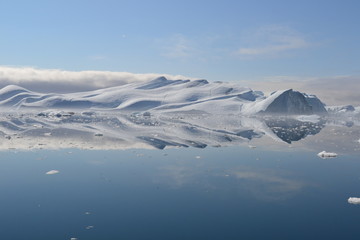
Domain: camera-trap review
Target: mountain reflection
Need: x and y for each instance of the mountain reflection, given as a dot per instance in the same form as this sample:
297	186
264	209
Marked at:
290	130
90	130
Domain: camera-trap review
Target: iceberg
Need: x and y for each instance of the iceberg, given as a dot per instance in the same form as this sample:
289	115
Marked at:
341	109
162	95
317	106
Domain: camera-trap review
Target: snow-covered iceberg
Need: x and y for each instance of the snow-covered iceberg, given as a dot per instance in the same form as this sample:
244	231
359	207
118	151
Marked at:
163	95
286	102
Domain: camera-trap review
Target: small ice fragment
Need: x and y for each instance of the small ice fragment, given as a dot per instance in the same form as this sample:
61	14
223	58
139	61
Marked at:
198	157
251	146
89	227
87	213
73	239
309	118
51	172
325	154
88	113
146	114
354	200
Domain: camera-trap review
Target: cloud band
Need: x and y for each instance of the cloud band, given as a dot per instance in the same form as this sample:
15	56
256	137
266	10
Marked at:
55	80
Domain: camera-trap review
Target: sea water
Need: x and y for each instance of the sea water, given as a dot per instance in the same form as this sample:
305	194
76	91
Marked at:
261	189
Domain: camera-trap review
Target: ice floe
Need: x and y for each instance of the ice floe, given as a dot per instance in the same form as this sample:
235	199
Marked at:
354	200
52	172
325	154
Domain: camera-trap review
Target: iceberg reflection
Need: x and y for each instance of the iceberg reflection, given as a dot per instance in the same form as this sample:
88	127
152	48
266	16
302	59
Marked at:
102	130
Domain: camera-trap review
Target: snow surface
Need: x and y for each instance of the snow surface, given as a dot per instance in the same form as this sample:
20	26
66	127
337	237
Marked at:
261	106
163	95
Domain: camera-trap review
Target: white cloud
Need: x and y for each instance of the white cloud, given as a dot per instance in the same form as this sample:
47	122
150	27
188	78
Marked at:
267	184
55	80
177	46
273	40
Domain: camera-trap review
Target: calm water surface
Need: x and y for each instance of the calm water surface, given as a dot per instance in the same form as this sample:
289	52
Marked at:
273	191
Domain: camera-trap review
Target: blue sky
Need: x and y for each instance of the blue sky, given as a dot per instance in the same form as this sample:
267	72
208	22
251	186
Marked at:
216	40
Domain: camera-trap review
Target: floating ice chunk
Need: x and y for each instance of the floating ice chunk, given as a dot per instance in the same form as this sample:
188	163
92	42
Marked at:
147	114
73	239
354	200
309	118
51	172
325	154
88	113
89	227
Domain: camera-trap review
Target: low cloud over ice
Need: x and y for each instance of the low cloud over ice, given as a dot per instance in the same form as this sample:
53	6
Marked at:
55	80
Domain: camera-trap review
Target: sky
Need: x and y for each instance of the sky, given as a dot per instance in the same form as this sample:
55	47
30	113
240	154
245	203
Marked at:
257	42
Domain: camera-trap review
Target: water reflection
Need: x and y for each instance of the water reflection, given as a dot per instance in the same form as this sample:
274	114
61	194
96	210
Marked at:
290	130
90	130
189	189
268	184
